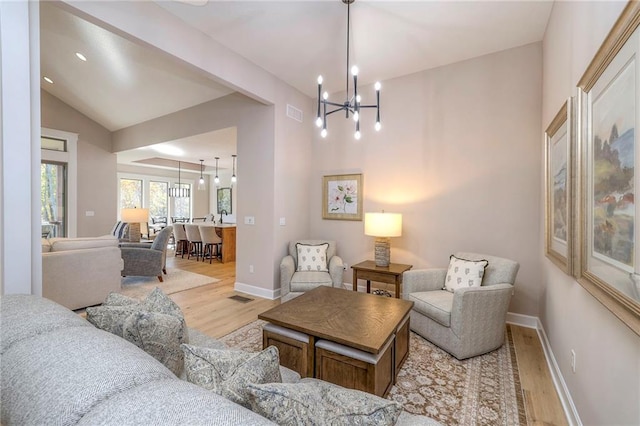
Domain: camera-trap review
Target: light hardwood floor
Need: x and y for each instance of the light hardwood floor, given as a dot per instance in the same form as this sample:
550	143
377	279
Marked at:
210	310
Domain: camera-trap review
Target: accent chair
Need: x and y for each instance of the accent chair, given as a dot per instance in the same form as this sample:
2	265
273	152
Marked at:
468	321
142	259
299	274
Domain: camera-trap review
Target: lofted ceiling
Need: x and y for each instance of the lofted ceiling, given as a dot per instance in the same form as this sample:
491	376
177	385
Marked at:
295	40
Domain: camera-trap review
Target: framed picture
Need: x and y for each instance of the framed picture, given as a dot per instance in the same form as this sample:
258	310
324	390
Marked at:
224	200
608	263
342	197
559	148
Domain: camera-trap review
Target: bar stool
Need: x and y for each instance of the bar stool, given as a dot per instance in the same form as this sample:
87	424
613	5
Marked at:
180	239
211	240
195	240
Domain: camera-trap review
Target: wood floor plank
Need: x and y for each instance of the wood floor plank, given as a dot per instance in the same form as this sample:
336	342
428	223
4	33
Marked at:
209	310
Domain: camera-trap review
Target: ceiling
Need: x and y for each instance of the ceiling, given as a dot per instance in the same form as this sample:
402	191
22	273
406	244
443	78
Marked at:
295	40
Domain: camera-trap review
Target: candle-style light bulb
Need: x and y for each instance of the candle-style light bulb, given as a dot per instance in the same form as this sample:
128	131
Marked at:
323	133
378	126
325	95
319	79
377	86
319	121
357	135
354	70
356	116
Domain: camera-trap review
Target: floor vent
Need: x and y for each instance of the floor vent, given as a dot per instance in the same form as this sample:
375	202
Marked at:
240	299
295	113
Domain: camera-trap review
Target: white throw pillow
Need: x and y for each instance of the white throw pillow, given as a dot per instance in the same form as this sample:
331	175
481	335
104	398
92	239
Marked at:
312	257
464	273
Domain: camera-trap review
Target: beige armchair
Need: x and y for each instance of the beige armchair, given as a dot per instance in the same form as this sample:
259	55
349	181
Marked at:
469	321
293	282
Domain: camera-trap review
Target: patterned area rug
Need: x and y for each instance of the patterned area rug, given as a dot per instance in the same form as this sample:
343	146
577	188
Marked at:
176	280
484	390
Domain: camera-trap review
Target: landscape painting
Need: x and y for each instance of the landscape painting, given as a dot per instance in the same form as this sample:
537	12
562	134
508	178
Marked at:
613	168
559	165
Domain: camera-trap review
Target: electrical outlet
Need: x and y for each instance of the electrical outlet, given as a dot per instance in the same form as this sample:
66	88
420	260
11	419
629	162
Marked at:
251	269
573	360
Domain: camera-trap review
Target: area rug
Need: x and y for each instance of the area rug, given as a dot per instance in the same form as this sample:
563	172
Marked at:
483	390
176	280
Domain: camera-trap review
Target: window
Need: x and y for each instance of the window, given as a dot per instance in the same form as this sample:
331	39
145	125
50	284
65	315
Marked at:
53	199
182	205
158	199
130	193
53	144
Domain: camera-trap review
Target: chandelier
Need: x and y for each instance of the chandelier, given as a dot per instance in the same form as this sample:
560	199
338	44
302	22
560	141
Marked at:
178	191
351	105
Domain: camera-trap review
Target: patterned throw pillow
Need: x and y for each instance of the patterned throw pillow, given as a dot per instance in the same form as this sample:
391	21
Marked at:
146	324
312	257
316	402
120	230
159	335
464	273
228	373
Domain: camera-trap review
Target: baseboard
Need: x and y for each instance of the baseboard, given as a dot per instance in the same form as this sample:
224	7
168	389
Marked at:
522	320
257	291
558	380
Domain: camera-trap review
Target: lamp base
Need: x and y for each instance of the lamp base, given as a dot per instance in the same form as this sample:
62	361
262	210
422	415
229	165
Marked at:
134	232
382	252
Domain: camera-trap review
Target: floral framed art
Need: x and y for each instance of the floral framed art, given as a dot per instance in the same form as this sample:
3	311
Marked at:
559	148
342	197
608	264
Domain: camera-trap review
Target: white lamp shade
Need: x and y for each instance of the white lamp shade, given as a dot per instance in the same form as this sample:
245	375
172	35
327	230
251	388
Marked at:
383	224
134	215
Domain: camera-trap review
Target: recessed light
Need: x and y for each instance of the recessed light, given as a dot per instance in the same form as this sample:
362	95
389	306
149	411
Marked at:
81	56
48	80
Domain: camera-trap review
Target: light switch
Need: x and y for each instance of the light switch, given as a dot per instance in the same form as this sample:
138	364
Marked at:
249	220
283	221
89	213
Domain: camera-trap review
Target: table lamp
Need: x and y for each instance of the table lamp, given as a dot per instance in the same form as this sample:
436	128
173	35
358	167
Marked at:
383	226
133	217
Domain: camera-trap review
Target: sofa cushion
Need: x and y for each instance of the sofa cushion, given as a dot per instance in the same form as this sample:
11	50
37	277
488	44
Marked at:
436	305
464	273
118	299
61	375
170	402
316	402
228	373
64	244
31	316
305	281
312	257
159	335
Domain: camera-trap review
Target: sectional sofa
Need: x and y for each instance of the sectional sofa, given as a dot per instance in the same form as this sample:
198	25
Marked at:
57	368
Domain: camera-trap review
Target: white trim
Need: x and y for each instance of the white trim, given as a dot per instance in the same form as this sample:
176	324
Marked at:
569	407
70	158
257	291
522	320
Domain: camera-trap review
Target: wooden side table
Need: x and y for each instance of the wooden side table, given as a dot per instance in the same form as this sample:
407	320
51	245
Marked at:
368	270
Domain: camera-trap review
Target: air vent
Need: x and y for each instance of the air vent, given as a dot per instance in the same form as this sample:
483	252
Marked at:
240	299
295	113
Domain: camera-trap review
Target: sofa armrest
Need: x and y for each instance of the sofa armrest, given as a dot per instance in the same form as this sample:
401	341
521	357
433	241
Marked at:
336	270
422	280
480	311
287	268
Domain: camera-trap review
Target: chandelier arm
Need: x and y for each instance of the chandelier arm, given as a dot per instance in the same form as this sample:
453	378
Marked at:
368	106
333	103
339	109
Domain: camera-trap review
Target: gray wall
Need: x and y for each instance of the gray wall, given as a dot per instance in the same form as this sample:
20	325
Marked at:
606	385
458	156
97	185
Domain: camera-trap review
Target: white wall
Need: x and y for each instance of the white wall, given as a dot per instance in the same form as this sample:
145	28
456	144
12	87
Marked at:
606	386
458	156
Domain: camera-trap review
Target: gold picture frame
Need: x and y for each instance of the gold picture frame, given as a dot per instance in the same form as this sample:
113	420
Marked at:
608	260
559	148
342	197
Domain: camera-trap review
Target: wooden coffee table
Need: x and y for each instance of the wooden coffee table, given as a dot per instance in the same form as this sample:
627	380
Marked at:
368	326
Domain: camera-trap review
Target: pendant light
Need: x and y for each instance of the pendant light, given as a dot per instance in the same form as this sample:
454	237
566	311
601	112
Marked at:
234	179
178	191
201	185
216	179
351	105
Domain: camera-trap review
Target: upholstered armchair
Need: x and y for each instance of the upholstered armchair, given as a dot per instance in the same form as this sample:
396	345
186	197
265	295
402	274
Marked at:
143	260
469	321
294	280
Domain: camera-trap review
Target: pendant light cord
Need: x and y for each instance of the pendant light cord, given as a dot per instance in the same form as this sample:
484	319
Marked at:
348	19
